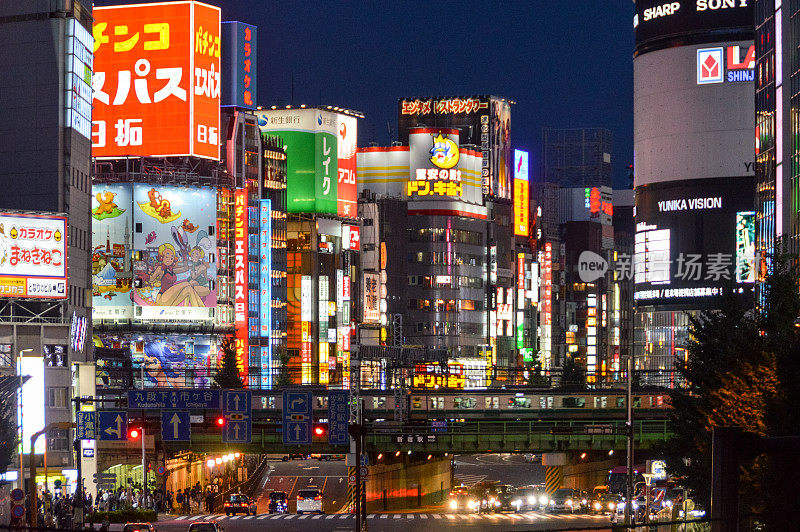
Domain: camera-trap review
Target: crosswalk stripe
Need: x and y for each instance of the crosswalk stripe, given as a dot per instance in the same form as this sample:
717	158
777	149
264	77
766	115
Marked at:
317	517
248	517
330	516
304	517
370	516
384	516
181	517
437	516
397	516
423	516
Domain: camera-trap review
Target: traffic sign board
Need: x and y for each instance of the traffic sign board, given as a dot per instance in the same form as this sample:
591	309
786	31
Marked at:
352	480
363	471
338	416
85	429
17	495
236	408
363	460
161	470
297	417
112	425
175	425
174	398
18	511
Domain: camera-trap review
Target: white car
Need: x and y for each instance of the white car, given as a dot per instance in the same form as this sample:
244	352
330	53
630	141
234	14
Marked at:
309	500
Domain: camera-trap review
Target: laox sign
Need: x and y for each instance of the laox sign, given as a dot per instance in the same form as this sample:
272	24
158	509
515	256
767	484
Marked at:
711	63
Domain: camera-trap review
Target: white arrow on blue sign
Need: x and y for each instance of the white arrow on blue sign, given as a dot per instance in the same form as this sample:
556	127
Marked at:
297	417
175	425
112	425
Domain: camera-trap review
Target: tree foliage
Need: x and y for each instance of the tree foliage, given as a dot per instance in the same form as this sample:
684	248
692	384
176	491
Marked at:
228	375
742	369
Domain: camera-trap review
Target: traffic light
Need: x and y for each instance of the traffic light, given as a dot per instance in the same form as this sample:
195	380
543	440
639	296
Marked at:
134	433
220	421
320	429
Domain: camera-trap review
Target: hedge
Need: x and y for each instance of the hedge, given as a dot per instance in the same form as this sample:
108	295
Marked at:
123	516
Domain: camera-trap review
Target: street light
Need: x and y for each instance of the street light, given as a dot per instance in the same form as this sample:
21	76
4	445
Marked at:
19	416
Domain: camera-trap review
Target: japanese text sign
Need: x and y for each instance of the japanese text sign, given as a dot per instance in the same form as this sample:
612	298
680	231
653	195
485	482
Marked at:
239	60
156	81
33	256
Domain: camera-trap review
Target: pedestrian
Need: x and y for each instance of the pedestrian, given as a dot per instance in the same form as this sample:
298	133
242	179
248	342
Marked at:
179	500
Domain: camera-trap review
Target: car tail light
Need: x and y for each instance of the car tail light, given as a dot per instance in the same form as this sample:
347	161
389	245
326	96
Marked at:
299	498
318	498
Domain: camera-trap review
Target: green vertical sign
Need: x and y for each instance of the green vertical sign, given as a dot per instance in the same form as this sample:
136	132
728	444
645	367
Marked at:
327	170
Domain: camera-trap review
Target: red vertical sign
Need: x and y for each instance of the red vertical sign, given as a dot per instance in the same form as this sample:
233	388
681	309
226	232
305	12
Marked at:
240	280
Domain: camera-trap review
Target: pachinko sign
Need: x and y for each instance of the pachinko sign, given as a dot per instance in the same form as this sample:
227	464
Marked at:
156	81
33	256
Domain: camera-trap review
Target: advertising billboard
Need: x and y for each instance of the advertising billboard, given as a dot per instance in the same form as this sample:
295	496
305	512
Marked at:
174	258
693	242
78	64
661	24
482	121
521	194
33	256
31	406
685	130
310	139
265	286
239	80
347	145
112	240
370	286
240	281
156	81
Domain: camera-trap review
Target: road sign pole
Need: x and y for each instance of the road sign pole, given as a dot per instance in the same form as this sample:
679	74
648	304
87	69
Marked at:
144	466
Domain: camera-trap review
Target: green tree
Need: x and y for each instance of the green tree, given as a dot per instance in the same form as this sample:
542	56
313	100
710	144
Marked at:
571	374
742	370
227	372
284	377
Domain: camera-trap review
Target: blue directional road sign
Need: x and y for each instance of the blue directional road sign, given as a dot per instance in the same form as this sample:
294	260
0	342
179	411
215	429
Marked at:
297	417
338	417
175	398
237	410
175	425
86	426
112	425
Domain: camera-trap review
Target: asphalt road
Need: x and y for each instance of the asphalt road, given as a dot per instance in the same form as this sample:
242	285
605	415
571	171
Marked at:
292	476
385	522
505	468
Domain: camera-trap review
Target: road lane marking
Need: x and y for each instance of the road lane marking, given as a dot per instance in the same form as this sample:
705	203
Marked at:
423	516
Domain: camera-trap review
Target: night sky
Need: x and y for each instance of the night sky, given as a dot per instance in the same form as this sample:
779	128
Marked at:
566	64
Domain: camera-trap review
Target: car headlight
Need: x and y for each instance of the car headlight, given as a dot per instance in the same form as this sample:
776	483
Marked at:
472	504
542	500
668	504
597	506
583	501
497	503
454	504
569	502
635	505
491	500
516	502
552	502
611	505
531	500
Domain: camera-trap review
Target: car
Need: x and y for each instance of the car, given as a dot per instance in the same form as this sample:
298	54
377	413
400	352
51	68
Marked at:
139	527
296	456
309	500
583	496
605	503
506	495
206	526
278	502
530	498
240	503
564	500
462	501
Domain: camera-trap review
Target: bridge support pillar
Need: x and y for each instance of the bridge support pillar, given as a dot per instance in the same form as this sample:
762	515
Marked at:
554	472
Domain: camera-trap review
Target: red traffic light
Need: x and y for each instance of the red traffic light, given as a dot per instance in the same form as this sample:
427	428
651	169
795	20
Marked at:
220	421
134	433
319	430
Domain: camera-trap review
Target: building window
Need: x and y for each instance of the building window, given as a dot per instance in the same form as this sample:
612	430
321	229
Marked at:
6	358
58	440
57	397
55	355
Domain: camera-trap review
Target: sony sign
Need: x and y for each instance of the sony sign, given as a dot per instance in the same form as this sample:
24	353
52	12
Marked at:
703	5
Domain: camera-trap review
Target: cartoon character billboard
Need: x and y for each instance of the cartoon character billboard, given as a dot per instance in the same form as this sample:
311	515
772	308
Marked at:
112	227
174	264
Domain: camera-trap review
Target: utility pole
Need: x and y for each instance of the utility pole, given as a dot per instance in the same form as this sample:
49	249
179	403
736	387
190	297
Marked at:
357	432
629	426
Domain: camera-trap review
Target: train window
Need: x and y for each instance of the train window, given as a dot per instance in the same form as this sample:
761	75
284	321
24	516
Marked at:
543	402
268	402
573	402
321	401
660	400
597	402
620	402
604	402
416	402
378	402
437	403
465	402
550	402
492	402
519	402
637	402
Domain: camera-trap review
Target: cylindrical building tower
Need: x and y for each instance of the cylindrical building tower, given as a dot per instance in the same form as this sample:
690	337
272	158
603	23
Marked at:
693	153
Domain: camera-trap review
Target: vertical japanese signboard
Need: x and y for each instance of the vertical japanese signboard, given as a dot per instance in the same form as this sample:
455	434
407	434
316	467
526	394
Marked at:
347	190
156	81
239	53
265	286
79	78
547	304
521	197
240	281
306	310
371	285
33	256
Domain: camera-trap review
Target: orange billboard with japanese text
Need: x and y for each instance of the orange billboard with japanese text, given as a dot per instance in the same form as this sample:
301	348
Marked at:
156	81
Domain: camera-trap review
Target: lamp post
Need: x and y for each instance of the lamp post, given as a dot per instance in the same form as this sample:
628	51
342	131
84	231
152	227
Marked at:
19	417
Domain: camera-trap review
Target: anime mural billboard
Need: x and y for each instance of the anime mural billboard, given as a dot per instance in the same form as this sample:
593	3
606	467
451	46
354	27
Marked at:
112	277
174	262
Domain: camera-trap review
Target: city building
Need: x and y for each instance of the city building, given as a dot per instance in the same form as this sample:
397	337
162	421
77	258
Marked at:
576	158
693	172
777	180
45	230
322	239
